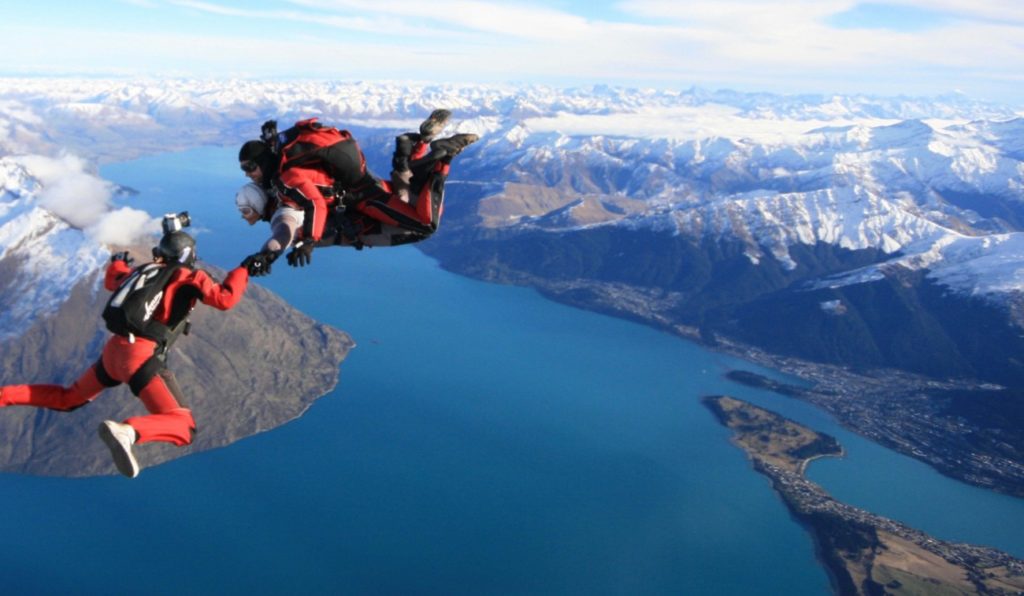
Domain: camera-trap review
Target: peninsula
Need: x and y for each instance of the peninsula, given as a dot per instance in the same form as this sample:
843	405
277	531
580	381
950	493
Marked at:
864	553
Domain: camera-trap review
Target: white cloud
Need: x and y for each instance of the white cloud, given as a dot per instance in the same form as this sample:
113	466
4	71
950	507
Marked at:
83	200
768	45
68	191
381	24
995	11
485	17
731	12
795	44
123	227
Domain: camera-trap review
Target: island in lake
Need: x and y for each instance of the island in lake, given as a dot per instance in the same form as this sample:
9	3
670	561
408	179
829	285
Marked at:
864	553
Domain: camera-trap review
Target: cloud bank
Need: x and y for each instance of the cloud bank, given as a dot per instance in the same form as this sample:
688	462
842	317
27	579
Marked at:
83	200
889	47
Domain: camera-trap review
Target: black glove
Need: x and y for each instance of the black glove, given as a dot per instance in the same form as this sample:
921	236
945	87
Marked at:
258	264
301	255
122	256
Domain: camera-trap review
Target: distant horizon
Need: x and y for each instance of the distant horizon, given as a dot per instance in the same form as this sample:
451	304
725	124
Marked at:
600	109
582	85
915	48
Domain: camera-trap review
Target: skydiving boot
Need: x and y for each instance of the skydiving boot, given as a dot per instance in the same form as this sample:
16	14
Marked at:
452	146
408	144
434	124
401	175
119	439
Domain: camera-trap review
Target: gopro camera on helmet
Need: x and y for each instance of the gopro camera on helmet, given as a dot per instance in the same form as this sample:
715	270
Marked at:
269	135
175	222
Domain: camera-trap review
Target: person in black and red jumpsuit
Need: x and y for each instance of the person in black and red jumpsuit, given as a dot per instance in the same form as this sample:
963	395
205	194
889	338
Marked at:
406	208
139	361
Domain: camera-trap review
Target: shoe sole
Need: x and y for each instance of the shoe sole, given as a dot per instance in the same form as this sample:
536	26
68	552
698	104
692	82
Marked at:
444	152
123	459
435	123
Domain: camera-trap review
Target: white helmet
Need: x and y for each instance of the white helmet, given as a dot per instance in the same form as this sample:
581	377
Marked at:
253	197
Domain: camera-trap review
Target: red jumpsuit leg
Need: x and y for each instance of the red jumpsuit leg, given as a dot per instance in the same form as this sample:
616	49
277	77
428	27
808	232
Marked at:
54	397
430	202
167	421
419	150
423	215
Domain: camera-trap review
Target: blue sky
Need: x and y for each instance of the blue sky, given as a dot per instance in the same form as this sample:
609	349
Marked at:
909	47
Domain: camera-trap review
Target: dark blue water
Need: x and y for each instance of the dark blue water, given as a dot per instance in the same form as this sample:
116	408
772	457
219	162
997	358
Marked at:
482	440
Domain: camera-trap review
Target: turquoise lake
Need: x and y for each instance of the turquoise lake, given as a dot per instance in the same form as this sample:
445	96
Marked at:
482	440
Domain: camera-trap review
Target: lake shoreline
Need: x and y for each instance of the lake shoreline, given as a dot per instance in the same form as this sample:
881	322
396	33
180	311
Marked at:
893	408
863	553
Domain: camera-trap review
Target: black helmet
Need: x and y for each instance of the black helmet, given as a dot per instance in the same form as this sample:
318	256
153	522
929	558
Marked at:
253	150
178	247
258	153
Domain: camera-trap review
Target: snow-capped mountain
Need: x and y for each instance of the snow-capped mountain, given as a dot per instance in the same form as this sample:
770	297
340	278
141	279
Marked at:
51	257
754	201
903	189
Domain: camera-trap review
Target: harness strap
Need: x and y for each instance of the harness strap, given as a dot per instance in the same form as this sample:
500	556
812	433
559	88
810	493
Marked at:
145	374
103	376
366	188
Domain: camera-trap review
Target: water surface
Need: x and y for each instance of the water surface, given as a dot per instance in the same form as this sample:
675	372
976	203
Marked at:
481	440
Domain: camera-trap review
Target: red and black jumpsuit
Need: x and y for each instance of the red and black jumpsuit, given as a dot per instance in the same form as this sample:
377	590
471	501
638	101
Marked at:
168	420
368	199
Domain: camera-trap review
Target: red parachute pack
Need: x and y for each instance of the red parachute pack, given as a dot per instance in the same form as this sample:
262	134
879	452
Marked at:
310	144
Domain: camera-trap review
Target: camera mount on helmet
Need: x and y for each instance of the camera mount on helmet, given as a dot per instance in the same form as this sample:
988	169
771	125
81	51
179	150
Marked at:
176	246
268	134
175	222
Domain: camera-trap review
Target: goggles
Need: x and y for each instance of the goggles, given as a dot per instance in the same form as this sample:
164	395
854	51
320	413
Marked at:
249	166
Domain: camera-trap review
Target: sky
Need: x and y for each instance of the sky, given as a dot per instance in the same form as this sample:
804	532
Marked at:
888	47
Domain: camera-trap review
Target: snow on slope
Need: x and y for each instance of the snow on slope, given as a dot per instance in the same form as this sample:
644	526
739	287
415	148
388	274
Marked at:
859	186
49	257
773	171
44	255
237	99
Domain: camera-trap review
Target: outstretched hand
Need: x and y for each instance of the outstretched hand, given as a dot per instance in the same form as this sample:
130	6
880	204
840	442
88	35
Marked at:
258	264
301	255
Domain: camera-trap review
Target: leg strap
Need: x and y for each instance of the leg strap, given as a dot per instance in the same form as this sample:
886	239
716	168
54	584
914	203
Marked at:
103	376
145	374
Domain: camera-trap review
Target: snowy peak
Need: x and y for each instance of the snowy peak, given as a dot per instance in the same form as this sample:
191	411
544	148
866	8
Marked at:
906	133
891	174
852	218
46	256
14	182
55	223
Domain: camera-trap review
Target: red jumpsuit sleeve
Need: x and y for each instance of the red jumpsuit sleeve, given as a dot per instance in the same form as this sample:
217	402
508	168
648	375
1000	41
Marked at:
300	187
225	295
116	272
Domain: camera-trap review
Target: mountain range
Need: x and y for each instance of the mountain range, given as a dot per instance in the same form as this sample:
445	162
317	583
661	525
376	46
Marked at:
866	232
895	245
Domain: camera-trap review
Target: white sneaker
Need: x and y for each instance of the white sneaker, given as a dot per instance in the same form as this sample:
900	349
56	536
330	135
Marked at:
120	438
